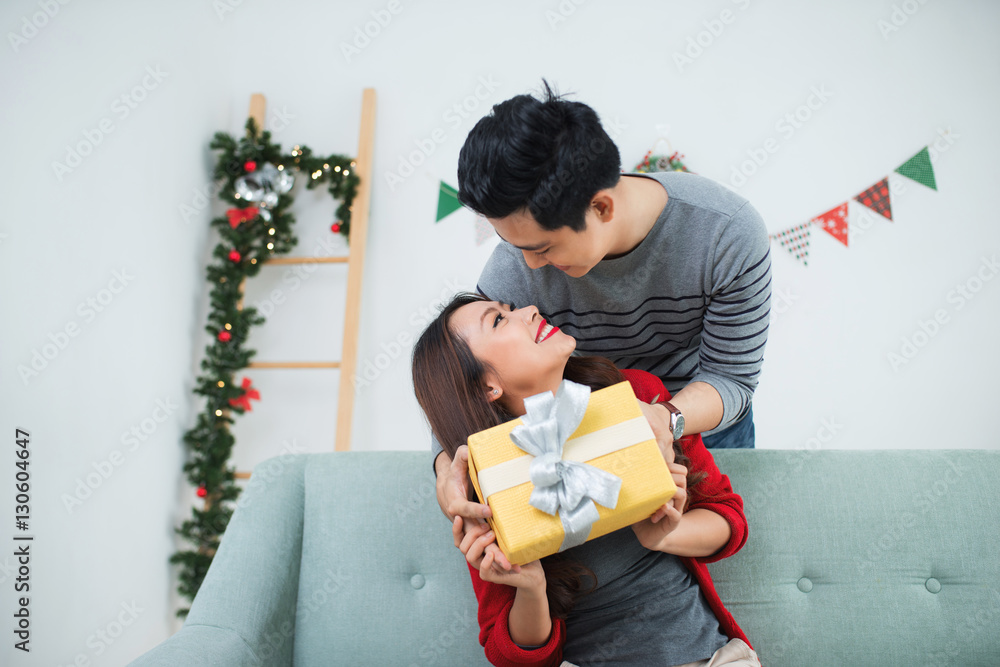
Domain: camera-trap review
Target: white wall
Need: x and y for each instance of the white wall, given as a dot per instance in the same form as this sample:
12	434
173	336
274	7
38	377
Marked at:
63	239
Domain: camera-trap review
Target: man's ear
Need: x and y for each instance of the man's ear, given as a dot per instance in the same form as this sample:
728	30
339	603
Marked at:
603	205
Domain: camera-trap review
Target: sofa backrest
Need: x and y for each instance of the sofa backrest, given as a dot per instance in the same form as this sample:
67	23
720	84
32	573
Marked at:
853	557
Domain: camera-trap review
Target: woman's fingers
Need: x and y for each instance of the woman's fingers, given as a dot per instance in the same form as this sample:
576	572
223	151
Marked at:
679	499
679	473
477	547
659	514
456	530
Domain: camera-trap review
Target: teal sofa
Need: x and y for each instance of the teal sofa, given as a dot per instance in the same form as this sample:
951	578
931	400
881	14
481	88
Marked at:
885	557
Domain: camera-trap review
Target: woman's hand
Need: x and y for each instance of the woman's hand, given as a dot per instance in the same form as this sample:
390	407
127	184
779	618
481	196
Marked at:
659	420
477	543
653	531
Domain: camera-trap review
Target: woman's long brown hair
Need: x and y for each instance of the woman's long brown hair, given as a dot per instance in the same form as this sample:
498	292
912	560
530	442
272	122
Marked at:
450	385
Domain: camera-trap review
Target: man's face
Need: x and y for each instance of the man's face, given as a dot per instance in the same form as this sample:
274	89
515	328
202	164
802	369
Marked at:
574	253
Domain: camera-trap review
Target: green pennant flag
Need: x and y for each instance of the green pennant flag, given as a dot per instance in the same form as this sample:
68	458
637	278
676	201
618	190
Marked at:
447	201
919	169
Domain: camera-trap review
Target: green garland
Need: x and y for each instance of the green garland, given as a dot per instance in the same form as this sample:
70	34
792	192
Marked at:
243	248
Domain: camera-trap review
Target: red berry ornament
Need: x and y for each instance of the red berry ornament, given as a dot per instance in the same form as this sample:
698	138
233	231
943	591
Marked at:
201	492
234	255
225	336
250	165
335	228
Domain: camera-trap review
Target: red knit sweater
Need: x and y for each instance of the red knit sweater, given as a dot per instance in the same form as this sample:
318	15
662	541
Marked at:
496	600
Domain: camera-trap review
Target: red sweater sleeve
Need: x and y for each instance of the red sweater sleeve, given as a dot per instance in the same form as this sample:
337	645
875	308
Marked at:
495	602
714	492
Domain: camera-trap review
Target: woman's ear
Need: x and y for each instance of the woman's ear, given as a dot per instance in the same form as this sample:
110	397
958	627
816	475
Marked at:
493	392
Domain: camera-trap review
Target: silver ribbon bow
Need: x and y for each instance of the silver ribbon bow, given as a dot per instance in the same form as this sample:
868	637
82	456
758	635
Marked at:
567	487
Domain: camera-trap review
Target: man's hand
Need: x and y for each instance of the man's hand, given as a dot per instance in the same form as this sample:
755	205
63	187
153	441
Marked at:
453	488
659	420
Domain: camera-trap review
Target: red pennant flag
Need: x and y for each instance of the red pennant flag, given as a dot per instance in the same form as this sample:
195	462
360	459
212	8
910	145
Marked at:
877	198
834	222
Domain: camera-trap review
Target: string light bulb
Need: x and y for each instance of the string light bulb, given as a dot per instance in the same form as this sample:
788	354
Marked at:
218	413
271	231
221	383
228	326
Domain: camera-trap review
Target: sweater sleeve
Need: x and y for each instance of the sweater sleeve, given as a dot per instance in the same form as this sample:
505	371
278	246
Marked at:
714	492
495	602
734	331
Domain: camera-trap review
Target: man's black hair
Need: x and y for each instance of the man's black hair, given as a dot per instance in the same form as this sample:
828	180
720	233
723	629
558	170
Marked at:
548	156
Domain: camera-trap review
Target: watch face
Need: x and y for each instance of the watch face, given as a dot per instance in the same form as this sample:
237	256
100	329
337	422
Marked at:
678	426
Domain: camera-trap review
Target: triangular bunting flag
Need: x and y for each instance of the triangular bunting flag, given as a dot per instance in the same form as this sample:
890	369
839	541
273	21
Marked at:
919	169
447	201
484	230
834	222
877	198
796	241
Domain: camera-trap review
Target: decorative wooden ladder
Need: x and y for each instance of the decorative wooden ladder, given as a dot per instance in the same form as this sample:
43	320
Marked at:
355	265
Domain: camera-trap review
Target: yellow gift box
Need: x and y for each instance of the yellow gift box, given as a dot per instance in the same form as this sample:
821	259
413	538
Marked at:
612	421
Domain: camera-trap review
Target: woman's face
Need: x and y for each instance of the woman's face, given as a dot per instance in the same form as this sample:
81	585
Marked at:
527	353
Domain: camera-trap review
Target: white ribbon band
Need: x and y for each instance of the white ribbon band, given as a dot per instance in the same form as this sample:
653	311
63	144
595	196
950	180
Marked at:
511	473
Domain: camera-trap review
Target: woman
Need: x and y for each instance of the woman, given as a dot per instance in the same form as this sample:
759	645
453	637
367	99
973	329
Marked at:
638	596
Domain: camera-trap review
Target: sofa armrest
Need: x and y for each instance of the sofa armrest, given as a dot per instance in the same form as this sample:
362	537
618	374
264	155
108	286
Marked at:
244	612
200	645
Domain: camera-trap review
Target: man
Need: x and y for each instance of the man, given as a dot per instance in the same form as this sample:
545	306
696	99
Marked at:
668	272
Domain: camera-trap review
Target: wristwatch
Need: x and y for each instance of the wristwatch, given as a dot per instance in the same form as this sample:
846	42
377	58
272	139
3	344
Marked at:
676	419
